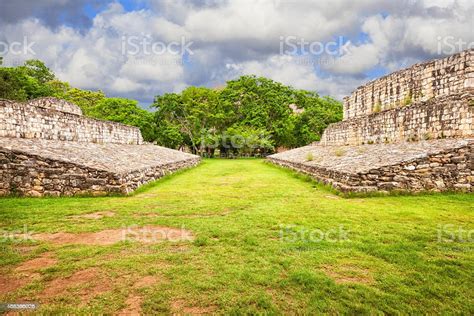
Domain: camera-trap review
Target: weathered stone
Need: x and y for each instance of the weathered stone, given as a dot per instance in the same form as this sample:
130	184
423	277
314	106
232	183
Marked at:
424	144
50	149
60	120
411	85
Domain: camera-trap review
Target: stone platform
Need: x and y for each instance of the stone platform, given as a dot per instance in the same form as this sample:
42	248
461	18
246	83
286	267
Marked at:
37	167
436	165
48	148
412	130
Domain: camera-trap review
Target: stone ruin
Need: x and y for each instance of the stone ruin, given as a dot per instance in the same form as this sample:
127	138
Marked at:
411	131
48	148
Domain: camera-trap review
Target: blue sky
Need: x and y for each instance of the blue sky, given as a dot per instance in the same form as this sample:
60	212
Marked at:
103	44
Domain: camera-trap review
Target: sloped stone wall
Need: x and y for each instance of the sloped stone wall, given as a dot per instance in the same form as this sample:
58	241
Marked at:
26	174
448	170
450	116
421	82
48	119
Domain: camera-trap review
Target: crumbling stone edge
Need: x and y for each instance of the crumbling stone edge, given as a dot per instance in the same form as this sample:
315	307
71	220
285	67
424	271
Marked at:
25	174
446	171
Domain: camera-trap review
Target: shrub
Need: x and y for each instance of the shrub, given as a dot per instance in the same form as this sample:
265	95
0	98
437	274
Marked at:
377	107
339	152
407	100
309	157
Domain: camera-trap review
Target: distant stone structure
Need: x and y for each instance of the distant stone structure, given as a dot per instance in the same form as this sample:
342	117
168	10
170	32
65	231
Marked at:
48	148
418	83
412	130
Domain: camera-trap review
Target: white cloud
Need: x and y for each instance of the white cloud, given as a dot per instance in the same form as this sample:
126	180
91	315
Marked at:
243	37
297	72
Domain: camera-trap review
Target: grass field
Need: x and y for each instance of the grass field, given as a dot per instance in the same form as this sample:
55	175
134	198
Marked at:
265	241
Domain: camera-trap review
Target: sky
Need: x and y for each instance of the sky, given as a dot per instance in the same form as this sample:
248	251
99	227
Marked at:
143	48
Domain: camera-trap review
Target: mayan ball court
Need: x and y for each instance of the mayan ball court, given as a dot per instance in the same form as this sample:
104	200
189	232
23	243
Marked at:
182	157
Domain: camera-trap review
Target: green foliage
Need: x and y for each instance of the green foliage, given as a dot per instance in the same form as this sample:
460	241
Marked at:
377	107
85	99
127	112
408	99
11	87
251	115
309	157
339	152
25	82
38	70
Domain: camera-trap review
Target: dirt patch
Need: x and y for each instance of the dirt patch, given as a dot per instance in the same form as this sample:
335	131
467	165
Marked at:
179	248
134	301
10	284
203	215
180	307
84	284
146	234
348	274
24	250
146	281
96	215
134	306
25	273
46	260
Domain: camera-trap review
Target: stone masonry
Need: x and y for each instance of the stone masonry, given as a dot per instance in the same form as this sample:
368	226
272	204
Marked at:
419	83
446	116
412	130
49	118
47	148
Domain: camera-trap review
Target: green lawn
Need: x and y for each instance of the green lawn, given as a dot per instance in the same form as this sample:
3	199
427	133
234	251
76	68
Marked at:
266	241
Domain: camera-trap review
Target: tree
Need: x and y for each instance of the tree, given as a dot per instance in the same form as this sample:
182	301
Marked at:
194	113
263	104
85	99
11	86
128	112
38	70
250	115
25	82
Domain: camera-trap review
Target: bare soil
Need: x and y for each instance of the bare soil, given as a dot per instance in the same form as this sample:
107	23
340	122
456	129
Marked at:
146	234
96	215
348	274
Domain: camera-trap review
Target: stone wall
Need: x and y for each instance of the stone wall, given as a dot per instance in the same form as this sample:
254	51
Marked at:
448	170
25	174
421	82
49	118
448	116
55	104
